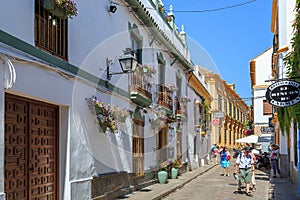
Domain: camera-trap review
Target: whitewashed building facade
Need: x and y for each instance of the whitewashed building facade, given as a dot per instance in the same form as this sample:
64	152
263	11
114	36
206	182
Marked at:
51	143
261	78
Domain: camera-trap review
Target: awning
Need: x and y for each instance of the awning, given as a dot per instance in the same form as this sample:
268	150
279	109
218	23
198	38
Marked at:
248	139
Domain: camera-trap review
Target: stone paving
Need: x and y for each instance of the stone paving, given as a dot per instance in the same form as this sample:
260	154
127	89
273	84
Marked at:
207	183
212	185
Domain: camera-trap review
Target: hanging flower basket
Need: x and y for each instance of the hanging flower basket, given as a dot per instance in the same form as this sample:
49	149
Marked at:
119	114
102	127
61	8
58	12
103	114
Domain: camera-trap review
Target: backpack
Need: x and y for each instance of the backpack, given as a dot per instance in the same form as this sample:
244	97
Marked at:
240	155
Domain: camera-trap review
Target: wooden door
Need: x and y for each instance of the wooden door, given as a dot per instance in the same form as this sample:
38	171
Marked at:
138	148
163	144
179	145
30	149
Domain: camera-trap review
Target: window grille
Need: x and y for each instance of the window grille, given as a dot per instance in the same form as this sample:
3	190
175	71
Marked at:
51	32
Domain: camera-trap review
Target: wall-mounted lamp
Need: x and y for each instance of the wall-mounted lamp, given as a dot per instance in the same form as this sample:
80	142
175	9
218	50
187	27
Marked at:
112	8
127	61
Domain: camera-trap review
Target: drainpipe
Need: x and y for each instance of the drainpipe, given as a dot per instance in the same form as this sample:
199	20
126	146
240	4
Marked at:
4	84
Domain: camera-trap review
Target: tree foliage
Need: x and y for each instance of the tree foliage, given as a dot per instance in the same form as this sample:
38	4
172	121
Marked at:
292	63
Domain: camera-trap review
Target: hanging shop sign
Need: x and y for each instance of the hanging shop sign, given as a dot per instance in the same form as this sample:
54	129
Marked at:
267	129
218	115
283	93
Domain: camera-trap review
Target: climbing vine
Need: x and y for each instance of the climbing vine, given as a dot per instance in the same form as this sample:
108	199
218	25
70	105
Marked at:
292	63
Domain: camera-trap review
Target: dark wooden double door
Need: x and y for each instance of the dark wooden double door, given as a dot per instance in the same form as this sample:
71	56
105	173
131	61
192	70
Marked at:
31	138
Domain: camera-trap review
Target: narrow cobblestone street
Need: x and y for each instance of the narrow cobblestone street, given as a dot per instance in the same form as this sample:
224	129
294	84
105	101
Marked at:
212	185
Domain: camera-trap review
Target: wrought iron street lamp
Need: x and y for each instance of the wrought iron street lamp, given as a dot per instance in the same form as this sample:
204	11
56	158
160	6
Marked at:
127	62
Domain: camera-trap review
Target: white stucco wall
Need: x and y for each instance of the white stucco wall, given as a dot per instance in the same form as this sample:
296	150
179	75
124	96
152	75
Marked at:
286	16
263	73
17	19
94	35
263	67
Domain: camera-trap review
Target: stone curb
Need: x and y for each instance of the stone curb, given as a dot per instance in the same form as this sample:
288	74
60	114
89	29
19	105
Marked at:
180	185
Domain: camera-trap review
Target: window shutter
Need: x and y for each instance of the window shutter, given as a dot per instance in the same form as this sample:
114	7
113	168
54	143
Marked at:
267	108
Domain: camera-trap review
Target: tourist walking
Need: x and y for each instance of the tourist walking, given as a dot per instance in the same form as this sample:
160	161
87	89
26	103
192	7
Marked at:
216	153
225	161
275	160
244	168
253	182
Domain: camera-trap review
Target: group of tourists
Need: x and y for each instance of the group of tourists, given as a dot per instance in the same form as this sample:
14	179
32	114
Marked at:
244	170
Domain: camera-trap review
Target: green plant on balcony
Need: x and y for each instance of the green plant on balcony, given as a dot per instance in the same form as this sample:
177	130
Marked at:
186	99
172	87
160	113
103	114
146	70
168	18
171	116
161	7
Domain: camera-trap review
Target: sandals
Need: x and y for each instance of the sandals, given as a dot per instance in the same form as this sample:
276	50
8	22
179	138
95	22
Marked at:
253	189
249	194
240	191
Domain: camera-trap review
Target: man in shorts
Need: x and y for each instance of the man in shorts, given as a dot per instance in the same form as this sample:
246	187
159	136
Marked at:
244	168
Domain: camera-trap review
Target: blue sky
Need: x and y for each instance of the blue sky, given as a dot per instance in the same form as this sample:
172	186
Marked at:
231	37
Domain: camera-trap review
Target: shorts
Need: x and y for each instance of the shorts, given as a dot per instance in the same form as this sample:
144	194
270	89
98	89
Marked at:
245	175
224	163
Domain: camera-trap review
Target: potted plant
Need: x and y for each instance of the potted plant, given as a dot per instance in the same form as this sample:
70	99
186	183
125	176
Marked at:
61	8
186	99
168	18
174	170
120	114
172	87
147	70
162	175
103	114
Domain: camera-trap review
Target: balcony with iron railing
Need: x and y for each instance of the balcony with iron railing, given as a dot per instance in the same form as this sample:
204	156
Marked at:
164	97
140	90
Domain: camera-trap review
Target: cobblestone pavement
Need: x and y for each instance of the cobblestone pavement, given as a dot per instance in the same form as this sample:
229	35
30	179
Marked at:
212	185
207	183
